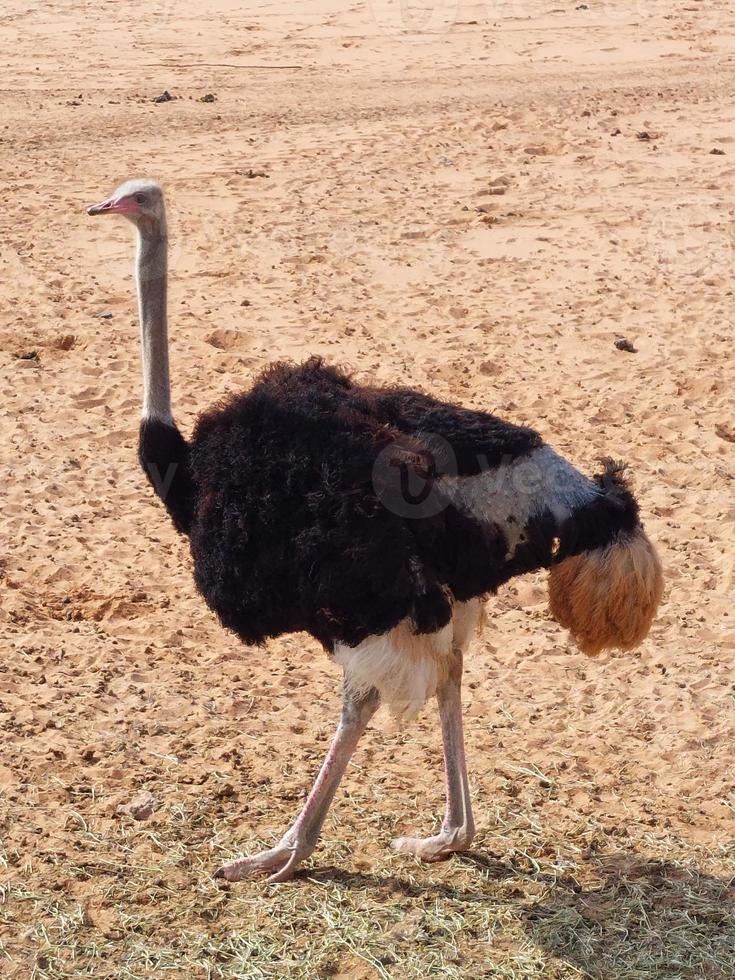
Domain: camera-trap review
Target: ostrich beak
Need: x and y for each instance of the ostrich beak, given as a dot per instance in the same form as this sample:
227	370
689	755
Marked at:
125	205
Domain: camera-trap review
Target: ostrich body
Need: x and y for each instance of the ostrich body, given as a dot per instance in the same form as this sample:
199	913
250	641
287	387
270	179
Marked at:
375	519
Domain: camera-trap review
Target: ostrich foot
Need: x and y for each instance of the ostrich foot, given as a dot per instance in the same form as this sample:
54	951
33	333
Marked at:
458	827
438	848
279	863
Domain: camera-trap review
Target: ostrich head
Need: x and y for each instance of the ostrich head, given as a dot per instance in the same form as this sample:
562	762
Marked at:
141	201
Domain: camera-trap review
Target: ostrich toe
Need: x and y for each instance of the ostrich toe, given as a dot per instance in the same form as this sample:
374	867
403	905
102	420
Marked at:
279	863
437	848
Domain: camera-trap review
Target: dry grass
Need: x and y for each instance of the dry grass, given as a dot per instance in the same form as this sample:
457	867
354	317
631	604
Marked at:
556	896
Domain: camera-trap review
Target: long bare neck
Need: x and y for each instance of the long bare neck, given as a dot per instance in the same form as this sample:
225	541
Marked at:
152	280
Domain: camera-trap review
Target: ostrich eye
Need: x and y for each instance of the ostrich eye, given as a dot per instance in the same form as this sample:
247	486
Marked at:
140	198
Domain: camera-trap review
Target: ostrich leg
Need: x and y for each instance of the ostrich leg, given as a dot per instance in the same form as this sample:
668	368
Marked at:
281	861
458	828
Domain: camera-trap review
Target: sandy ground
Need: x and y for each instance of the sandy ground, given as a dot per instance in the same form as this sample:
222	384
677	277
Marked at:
478	199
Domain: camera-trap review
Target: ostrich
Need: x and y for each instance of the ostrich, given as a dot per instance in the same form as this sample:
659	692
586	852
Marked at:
377	520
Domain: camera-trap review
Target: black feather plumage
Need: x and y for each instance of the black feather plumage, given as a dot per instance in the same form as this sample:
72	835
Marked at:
595	524
311	504
164	455
280	493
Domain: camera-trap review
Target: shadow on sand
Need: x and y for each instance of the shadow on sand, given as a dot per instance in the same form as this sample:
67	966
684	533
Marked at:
639	919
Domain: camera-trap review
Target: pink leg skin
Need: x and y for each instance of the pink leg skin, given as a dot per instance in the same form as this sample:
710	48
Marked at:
281	861
458	828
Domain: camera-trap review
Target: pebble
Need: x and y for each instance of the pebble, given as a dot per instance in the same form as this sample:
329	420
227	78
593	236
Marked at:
626	345
140	807
725	432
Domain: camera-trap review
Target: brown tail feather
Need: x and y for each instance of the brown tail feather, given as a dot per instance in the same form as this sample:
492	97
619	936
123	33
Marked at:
607	597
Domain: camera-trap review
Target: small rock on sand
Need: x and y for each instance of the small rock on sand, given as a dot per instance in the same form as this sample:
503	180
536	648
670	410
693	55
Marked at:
225	791
726	432
626	345
140	807
65	341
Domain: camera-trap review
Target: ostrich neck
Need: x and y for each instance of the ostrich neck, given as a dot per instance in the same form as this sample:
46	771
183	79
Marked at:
152	279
